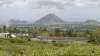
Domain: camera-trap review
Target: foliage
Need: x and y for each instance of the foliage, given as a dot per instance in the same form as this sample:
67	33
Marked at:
39	48
16	40
58	44
94	36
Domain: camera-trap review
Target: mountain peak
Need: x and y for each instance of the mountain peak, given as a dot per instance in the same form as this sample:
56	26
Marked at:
50	19
51	14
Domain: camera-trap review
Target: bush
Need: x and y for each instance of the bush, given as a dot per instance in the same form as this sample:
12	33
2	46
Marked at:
17	40
1	39
58	44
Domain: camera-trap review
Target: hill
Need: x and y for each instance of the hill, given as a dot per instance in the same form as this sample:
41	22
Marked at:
50	19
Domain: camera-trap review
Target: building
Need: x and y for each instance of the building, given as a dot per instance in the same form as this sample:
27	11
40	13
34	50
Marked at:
4	35
52	21
19	24
13	35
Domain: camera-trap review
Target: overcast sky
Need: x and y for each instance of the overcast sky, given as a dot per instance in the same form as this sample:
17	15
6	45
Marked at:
69	10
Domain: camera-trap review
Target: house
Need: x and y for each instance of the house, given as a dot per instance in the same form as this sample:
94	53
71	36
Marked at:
62	39
19	35
13	35
4	35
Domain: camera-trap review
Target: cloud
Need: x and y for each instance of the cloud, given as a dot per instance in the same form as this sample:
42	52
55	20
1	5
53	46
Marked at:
87	3
13	3
61	4
49	4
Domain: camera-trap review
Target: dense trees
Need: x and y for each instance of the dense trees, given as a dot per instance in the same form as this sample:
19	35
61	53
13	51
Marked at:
93	36
48	33
3	29
58	32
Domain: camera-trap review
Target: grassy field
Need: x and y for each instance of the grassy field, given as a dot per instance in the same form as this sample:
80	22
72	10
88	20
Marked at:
19	47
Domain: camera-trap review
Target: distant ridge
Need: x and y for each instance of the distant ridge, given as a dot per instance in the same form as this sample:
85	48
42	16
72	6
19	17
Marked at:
50	19
93	22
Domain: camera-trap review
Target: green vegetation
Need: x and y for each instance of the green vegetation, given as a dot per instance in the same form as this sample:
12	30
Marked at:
23	46
92	35
39	48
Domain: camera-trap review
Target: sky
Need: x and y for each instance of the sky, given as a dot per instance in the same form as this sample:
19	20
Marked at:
32	10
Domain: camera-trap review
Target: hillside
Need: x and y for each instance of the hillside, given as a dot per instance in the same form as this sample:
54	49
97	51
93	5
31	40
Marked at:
50	19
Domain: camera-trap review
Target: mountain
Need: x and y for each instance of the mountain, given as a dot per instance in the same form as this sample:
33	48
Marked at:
92	22
50	19
12	21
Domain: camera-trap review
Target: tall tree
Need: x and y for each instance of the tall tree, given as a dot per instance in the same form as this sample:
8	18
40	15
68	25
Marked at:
4	28
58	32
70	33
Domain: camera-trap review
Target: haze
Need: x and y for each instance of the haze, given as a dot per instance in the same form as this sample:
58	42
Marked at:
32	10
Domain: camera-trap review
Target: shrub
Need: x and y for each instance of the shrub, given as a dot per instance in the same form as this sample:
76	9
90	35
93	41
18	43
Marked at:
17	40
58	44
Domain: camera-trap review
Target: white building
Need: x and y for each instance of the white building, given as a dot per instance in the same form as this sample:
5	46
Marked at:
4	35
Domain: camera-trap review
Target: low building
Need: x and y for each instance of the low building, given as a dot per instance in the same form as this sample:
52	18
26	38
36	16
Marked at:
13	35
4	35
19	34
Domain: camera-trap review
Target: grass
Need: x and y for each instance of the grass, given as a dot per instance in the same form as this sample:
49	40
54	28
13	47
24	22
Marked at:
39	48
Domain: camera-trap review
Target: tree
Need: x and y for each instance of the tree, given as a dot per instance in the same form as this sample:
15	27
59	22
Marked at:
51	34
34	34
13	30
4	28
70	33
58	32
65	33
94	36
0	30
97	32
